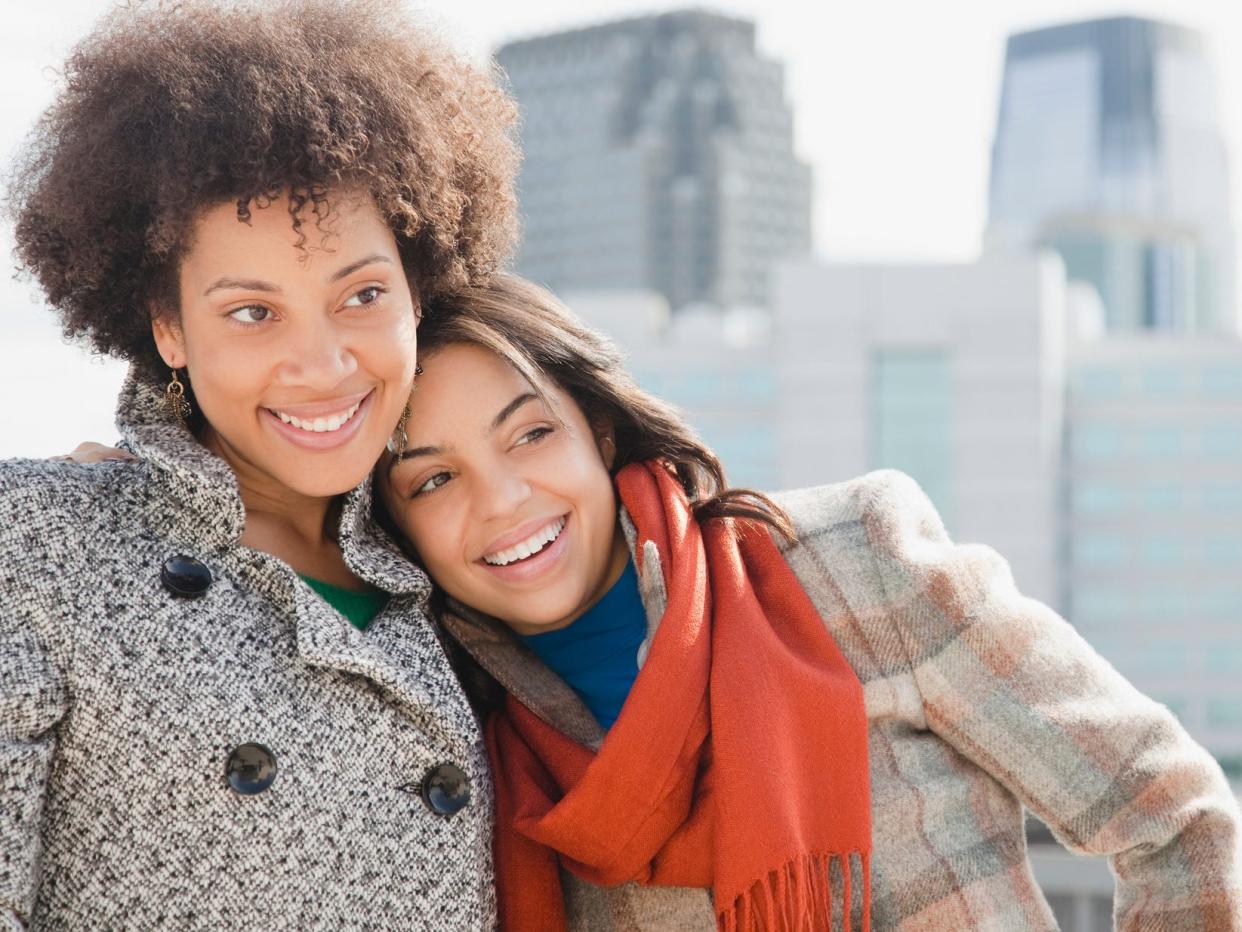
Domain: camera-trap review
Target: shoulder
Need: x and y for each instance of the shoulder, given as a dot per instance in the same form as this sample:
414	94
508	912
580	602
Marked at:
45	497
886	503
877	539
880	538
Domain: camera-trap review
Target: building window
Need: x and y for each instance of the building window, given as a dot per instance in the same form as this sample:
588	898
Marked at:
1224	551
1164	551
1225	659
1162	383
1097	441
1092	604
1224	713
1223	441
1100	383
1218	498
912	419
1223	381
1163	441
1162	496
1100	551
1098	498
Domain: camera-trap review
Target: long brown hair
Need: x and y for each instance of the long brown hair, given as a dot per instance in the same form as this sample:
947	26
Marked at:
543	340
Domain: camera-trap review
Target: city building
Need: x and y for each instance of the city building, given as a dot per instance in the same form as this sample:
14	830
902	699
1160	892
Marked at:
658	157
951	373
1109	150
1152	528
718	367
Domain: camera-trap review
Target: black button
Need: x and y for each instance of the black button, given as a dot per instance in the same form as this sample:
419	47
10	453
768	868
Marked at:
446	789
185	577
251	769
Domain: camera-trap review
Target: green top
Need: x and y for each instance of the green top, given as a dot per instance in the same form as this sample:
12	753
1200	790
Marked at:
360	608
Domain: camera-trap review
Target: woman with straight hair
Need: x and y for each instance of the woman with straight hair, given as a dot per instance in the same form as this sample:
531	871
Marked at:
222	704
711	708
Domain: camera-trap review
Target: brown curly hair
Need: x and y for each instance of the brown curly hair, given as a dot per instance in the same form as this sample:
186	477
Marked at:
167	109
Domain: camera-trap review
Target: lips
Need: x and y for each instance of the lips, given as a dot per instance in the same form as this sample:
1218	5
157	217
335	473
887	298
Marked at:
546	541
321	426
528	546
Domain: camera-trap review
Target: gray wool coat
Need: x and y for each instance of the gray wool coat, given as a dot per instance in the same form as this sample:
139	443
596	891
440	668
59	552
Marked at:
121	705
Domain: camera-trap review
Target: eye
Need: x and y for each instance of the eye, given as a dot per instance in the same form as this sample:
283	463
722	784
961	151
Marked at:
368	295
534	435
432	483
251	314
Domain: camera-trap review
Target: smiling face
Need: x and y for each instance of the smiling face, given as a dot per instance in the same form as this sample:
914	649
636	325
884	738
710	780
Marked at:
507	501
301	359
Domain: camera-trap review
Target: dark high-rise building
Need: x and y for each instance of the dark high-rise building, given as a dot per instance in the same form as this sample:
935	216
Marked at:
658	156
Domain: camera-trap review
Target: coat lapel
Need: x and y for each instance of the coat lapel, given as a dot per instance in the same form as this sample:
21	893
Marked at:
400	650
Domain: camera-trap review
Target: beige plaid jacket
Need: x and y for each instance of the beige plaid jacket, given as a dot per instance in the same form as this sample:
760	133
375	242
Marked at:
981	703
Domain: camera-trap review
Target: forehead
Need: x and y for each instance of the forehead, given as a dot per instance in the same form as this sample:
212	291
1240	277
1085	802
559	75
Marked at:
465	385
269	241
466	377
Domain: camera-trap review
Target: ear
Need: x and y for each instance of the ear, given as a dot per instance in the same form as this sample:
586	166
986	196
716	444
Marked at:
605	440
169	340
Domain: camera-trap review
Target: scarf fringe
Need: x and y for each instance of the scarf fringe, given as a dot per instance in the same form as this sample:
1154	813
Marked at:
799	897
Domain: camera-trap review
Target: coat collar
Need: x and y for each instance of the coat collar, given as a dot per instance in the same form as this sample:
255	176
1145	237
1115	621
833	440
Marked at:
200	504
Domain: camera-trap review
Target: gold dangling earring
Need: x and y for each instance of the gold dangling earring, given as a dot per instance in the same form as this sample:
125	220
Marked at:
175	405
398	440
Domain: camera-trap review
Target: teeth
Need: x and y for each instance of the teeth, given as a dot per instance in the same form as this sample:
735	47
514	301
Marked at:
318	425
525	548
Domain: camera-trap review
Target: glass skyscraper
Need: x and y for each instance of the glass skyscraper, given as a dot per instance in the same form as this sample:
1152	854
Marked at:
1109	149
658	156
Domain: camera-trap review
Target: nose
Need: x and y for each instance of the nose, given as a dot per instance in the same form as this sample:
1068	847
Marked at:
499	492
318	356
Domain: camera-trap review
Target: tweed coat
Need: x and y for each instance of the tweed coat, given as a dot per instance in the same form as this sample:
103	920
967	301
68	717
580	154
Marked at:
980	703
120	704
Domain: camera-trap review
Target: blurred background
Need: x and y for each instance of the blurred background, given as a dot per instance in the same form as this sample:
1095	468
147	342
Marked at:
992	245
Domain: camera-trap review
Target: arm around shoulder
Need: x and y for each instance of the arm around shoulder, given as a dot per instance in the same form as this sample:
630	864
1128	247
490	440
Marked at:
1014	688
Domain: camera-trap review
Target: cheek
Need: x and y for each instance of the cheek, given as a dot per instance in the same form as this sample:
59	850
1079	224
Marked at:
391	349
430	536
224	378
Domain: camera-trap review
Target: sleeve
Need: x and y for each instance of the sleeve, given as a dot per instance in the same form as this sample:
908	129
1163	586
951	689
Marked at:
1012	686
32	701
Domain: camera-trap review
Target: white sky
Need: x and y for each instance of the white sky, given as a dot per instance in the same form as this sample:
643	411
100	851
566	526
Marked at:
894	106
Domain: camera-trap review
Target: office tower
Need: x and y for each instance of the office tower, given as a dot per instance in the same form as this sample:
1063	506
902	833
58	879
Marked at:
658	156
1153	524
1109	149
951	373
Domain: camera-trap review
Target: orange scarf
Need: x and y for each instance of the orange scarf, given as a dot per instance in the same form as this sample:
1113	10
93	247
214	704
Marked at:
739	761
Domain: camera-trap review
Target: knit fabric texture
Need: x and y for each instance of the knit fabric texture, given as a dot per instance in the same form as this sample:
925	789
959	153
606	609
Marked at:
121	703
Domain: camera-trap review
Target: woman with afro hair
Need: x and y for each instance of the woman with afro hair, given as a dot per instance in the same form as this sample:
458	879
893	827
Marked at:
222	704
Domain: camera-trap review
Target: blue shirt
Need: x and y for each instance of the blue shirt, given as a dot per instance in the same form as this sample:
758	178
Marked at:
598	653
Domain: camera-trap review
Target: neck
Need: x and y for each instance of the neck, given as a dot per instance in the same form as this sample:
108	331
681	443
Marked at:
279	520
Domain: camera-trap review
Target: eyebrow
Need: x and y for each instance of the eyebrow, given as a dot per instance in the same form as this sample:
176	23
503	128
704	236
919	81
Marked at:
505	413
508	410
258	284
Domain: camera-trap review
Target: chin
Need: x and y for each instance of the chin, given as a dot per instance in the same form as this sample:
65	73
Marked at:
325	483
543	617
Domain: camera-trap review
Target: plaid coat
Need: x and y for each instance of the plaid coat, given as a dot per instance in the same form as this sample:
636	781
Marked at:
981	703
